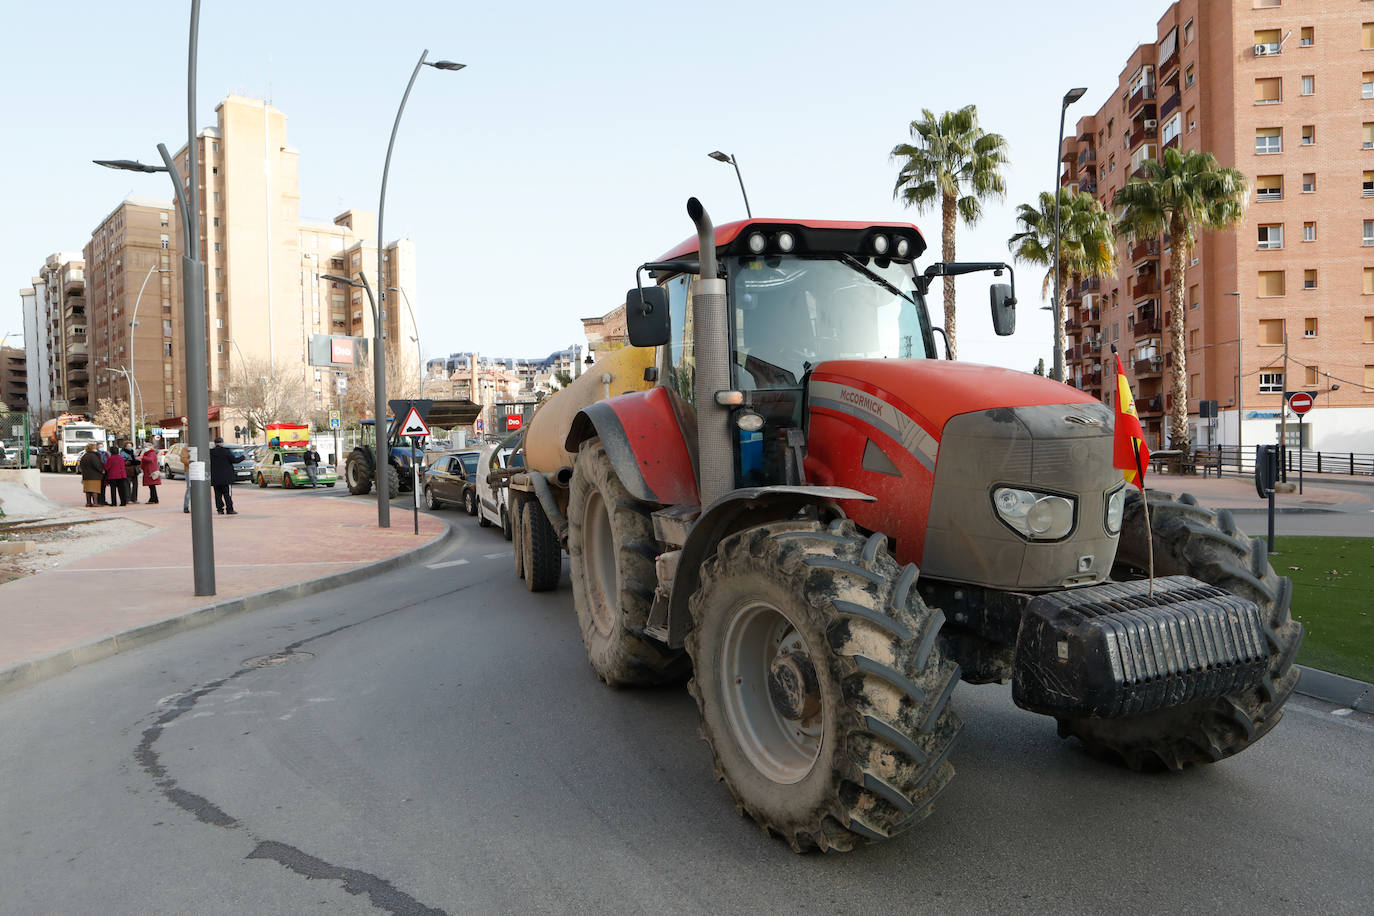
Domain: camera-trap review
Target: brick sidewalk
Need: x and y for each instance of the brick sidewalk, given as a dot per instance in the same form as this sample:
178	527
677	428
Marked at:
1239	493
276	540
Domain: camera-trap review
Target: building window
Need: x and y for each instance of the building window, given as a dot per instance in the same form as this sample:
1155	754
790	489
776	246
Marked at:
1268	140
1309	182
1369	281
217	248
1369	232
216	222
1309	376
219	323
1172	128
167	328
1309	85
1192	120
1309	134
1367	36
1188	32
1268	91
1308	37
1309	327
1269	187
167	349
216	197
219	348
1271	284
1268	41
166	242
1270	236
1368	137
1369	330
1368	185
1309	278
1309	232
1271	383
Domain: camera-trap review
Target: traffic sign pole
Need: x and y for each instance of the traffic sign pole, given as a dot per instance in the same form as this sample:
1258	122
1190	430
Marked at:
1300	402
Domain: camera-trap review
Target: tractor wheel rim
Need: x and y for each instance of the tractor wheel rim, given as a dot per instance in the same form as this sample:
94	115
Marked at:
599	555
761	648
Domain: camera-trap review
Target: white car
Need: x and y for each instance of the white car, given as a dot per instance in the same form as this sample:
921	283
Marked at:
492	501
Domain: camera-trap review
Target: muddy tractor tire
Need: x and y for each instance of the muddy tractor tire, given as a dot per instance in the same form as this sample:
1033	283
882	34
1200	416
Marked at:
507	531
541	559
393	481
358	474
1194	541
611	546
823	692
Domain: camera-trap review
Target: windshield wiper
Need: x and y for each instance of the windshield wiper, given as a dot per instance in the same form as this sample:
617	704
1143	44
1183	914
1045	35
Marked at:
853	262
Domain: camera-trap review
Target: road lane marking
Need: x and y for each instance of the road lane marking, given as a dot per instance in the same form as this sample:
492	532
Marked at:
495	556
446	565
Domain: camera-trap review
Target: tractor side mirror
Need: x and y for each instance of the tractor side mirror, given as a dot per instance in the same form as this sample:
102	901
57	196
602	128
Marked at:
646	316
1003	309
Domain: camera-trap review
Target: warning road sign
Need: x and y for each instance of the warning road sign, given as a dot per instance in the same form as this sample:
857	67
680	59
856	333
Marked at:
413	426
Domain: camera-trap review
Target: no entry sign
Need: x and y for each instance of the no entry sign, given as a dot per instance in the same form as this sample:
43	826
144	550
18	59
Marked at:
1300	403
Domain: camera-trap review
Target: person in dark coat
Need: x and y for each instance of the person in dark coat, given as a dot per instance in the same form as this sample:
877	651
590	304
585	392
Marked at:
222	477
312	465
132	467
117	477
92	470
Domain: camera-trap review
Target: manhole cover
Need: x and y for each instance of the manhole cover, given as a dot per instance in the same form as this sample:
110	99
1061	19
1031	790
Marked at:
281	658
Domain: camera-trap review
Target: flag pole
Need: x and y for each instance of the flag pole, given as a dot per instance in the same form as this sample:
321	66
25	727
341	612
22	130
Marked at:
1149	536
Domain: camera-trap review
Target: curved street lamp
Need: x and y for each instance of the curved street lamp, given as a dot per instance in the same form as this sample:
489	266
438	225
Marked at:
1073	95
727	157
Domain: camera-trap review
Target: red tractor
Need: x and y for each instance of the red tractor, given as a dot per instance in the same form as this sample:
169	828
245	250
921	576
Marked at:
827	527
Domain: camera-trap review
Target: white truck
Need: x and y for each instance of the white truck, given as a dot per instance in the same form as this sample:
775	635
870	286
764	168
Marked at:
64	439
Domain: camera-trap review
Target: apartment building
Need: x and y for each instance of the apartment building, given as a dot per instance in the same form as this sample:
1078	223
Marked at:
606	333
55	341
1282	90
264	264
131	326
14	382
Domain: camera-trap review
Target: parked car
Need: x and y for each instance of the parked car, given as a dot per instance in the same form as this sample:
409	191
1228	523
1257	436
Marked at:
10	457
243	463
171	463
451	480
286	466
492	501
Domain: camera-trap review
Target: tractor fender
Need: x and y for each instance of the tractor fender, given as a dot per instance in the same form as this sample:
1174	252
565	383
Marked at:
734	511
648	438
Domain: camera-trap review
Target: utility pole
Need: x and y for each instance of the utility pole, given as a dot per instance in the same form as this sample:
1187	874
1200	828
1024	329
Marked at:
1283	413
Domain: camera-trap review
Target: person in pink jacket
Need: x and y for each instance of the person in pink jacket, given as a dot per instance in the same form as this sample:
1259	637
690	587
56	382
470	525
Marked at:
117	476
152	475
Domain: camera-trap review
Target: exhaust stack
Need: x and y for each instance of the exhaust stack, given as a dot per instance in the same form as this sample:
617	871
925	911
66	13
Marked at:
711	343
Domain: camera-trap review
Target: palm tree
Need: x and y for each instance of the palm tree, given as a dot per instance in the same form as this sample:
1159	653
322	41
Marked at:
1086	243
1180	195
953	162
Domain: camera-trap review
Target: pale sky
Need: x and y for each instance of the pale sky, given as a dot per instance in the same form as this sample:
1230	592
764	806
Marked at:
536	180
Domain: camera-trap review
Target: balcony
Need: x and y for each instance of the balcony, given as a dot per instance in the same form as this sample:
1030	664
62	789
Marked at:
74	280
1145	327
1073	354
1146	249
1169	105
1144	94
1145	285
1089	154
1168	64
1144	133
1149	366
1072	324
1172	143
1090	317
76	350
1154	405
1087	186
1089	285
77	374
1093	346
1094	379
1072	293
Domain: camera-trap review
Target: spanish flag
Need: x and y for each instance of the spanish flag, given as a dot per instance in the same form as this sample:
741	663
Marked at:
1129	452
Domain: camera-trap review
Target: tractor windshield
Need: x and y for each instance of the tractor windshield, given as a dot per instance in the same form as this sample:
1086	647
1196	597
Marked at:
794	312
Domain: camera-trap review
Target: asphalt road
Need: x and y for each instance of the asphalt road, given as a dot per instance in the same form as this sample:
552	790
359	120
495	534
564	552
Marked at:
433	741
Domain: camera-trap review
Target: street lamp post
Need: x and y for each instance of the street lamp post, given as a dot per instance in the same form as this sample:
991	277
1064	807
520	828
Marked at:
133	319
727	157
1073	95
419	353
378	395
129	377
379	308
193	327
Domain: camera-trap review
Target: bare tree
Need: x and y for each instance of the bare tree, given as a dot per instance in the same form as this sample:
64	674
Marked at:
113	414
262	395
356	401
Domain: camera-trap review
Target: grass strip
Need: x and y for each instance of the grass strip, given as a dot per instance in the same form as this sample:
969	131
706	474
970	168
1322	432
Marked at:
1333	596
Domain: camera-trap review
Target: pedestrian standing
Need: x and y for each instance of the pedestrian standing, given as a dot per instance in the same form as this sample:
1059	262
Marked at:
106	488
92	470
118	478
222	477
152	474
184	453
132	467
312	465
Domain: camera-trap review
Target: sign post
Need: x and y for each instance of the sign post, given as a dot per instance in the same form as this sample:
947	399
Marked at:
1300	402
414	427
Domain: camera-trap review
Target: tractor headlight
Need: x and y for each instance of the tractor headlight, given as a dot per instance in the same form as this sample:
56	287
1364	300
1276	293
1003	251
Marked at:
880	244
1033	515
903	247
785	241
757	243
1116	509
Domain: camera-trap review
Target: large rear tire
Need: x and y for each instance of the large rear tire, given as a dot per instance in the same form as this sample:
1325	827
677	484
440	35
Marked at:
541	558
822	689
612	549
393	481
506	531
1190	540
358	475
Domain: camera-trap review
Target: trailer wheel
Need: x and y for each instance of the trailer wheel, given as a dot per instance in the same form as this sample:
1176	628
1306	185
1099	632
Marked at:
517	538
358	475
611	548
823	693
541	557
506	531
1194	541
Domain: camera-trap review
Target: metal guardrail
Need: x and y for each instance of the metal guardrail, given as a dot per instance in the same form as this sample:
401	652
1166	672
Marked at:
1291	460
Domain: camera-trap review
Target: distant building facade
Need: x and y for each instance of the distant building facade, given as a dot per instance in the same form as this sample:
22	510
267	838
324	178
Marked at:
14	382
57	366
